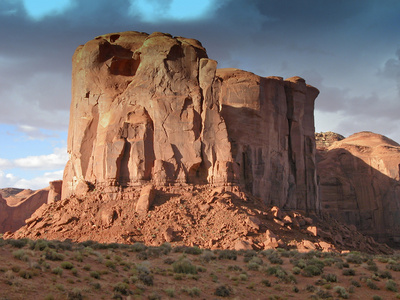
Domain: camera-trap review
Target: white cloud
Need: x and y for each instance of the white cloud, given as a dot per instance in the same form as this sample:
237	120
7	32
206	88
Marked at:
34	133
52	161
39	182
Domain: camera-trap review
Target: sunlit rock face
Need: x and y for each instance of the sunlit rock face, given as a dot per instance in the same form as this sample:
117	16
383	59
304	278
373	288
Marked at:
155	109
360	184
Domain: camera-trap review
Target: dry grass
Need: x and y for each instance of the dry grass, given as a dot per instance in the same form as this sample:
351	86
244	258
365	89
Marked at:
63	270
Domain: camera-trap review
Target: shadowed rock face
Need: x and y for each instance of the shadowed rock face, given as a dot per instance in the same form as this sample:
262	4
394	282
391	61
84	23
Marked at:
154	109
360	184
17	207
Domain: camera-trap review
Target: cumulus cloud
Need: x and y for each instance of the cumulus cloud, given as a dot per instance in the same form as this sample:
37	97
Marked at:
39	182
52	161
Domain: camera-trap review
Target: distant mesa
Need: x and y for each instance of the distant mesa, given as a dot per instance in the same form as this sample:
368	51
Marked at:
359	179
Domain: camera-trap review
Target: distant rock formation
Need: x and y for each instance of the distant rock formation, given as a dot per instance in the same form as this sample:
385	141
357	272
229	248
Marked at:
18	206
154	109
359	181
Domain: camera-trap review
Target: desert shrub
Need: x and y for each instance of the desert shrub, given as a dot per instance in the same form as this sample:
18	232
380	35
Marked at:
169	261
371	285
51	254
323	294
75	294
355	283
243	277
185	266
227	254
248	254
235	268
267	252
311	270
253	266
194	291
385	274
275	259
94	274
300	263
341	291
138	247
26	274
17	243
295	289
170	292
122	288
391	285
330	277
349	272
207	256
67	265
20	254
393	267
74	271
58	271
354	258
266	282
87	267
296	270
110	264
38	245
376	297
310	288
223	291
144	274
188	250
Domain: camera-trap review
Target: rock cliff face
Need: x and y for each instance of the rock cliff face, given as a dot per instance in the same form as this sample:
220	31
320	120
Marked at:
155	109
360	184
17	207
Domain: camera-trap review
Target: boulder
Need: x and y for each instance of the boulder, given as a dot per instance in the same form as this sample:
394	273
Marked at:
155	109
55	191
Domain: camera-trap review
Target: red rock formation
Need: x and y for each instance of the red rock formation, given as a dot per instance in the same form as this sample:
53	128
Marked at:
154	109
54	191
360	184
13	217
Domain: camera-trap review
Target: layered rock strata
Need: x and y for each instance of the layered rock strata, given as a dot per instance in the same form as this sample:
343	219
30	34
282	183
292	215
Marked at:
360	184
155	109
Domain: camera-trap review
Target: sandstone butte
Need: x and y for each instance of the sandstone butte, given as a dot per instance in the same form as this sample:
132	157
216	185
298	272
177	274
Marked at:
155	109
155	125
359	179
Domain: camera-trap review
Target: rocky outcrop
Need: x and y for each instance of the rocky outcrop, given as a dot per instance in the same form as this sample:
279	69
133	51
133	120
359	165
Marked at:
155	109
360	184
54	191
25	203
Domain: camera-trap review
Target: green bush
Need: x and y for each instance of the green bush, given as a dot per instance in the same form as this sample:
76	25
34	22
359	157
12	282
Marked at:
20	254
75	294
184	266
391	285
376	297
95	274
311	270
67	265
51	254
349	272
227	254
57	271
371	285
17	243
122	288
341	291
330	277
192	292
223	291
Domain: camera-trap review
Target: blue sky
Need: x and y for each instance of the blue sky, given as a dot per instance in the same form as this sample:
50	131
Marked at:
349	50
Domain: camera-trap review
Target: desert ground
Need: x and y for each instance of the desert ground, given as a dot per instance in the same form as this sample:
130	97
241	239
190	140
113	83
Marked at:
89	270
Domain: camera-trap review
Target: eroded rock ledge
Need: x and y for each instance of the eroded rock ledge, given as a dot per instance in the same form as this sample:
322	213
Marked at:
155	109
